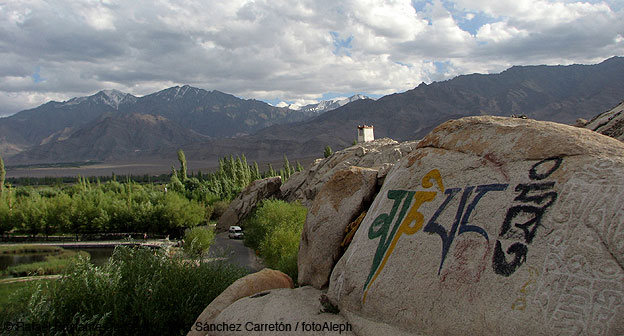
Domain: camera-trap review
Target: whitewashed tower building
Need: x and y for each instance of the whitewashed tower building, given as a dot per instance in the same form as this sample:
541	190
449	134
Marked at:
365	133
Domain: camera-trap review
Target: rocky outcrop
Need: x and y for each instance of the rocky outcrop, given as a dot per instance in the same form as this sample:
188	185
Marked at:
610	123
247	201
282	312
490	226
498	226
347	193
251	284
379	155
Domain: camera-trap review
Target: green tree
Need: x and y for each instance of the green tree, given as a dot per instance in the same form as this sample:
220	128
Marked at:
197	241
299	166
255	173
176	184
182	158
271	171
5	217
288	169
328	151
2	175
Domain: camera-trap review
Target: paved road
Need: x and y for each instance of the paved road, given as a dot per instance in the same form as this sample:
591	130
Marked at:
235	251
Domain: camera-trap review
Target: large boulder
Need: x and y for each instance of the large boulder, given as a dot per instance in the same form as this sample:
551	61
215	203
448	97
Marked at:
247	201
379	155
280	312
609	123
498	226
347	193
251	284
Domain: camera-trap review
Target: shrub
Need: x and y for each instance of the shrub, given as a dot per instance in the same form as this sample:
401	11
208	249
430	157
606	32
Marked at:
139	292
219	208
274	230
197	241
208	210
328	152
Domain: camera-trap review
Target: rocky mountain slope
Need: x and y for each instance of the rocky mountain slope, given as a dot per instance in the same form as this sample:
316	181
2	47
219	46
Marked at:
114	137
41	134
555	93
32	127
610	123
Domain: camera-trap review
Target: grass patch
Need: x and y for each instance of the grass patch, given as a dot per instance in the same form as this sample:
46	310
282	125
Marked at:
197	241
53	264
140	291
7	289
14	296
29	249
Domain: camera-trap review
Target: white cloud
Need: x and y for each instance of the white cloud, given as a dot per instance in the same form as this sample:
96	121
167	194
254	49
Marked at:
294	51
498	32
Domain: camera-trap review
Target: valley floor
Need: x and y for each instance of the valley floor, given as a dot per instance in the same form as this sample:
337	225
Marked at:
150	167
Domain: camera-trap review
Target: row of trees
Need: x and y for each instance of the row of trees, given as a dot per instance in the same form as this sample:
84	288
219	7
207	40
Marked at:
87	208
60	181
92	206
231	176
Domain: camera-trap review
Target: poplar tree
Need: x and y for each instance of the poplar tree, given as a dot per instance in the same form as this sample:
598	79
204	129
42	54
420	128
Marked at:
2	175
287	168
256	171
271	171
328	151
182	159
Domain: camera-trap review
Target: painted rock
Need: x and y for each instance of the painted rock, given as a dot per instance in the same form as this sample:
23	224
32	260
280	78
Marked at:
498	226
340	200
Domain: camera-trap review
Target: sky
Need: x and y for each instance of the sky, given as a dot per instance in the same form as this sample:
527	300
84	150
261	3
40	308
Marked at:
286	51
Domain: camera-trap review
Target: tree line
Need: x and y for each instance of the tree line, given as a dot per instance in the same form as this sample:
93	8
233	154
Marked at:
91	205
231	176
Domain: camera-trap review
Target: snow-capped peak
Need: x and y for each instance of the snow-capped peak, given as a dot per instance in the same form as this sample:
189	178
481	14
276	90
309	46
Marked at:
112	97
331	104
294	106
177	92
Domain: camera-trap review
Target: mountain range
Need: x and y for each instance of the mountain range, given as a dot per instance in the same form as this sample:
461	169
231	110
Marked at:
112	125
115	125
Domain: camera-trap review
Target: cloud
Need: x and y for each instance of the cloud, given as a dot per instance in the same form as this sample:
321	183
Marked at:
293	51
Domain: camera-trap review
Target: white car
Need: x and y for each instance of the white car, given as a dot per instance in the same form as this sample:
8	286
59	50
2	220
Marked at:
235	232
